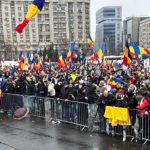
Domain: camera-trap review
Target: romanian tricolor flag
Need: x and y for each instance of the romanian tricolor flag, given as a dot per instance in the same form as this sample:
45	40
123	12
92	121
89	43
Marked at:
137	51
112	84
117	80
132	52
21	62
60	62
22	65
70	54
40	66
127	58
144	51
34	9
90	42
99	54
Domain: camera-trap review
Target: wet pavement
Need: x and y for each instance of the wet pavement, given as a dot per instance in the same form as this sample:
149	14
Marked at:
37	134
5	147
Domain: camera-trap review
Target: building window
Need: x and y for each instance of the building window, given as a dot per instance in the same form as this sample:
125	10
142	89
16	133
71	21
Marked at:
63	8
8	36
40	27
19	8
47	28
27	37
6	19
8	31
6	13
47	38
46	17
33	30
109	13
118	16
33	25
46	7
6	8
7	25
12	4
33	20
19	14
80	10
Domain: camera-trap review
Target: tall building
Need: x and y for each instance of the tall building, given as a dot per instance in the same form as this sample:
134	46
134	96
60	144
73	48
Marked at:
1	28
144	33
59	23
131	29
109	29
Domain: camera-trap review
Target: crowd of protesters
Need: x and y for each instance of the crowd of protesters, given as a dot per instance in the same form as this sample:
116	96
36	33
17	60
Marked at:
93	84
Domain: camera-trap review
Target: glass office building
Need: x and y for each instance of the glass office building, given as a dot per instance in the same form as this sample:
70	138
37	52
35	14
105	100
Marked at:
109	29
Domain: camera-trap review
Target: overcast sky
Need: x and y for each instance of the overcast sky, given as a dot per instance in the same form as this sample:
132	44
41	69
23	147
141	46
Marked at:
130	8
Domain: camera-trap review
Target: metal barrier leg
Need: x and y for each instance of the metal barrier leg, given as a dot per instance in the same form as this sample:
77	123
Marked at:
91	111
107	127
113	131
145	127
136	129
124	134
146	141
83	115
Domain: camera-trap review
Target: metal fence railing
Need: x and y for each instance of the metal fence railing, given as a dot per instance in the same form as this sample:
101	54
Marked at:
11	102
82	114
59	110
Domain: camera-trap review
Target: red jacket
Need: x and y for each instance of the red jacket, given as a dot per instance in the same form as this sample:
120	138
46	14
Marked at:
145	104
143	107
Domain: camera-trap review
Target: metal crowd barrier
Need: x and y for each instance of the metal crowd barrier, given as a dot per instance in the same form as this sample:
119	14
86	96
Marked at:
11	102
129	129
145	128
60	110
36	106
139	130
77	113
